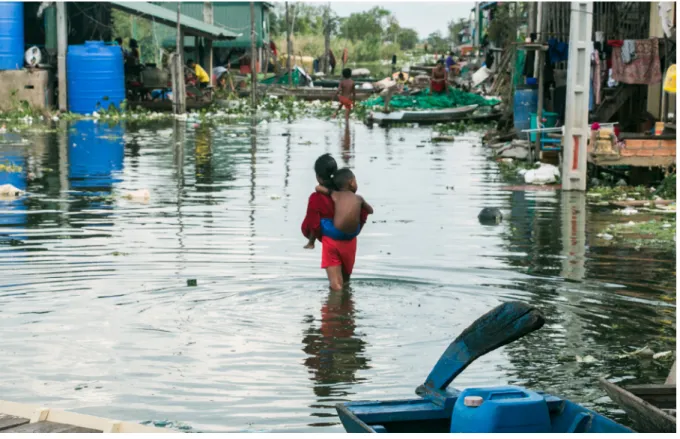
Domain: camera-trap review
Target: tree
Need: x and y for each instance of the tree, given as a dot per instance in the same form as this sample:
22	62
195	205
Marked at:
454	29
361	25
407	39
437	42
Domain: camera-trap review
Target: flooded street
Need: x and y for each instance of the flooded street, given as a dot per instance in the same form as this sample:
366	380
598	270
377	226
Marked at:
96	314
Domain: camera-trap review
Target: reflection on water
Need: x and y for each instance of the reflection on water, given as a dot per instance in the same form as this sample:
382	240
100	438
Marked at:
336	353
97	316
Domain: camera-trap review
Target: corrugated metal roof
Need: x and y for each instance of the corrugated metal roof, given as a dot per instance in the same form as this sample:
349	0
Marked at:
233	16
189	25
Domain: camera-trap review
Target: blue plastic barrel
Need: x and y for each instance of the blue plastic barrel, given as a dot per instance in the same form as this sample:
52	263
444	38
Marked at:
526	102
95	154
11	35
95	75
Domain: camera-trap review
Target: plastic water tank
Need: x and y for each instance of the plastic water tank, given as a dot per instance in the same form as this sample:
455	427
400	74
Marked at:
96	153
526	102
95	75
506	409
11	35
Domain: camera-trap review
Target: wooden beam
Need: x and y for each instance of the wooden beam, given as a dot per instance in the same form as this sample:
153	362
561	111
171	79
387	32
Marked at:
253	57
289	48
62	44
208	18
177	70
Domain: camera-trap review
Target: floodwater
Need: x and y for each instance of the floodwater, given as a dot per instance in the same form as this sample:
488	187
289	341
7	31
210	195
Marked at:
96	314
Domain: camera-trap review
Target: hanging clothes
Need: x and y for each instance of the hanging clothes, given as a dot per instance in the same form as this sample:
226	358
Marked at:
529	61
557	51
628	51
666	16
644	69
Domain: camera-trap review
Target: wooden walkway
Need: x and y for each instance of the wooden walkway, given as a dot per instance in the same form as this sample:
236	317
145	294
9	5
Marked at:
24	418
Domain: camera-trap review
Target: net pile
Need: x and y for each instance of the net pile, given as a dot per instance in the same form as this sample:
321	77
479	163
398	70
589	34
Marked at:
424	101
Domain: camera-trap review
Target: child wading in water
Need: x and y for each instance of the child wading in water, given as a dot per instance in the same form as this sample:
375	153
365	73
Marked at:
346	88
349	214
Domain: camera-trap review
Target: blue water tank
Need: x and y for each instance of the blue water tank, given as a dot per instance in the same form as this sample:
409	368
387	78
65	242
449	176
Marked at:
11	35
507	409
526	102
95	154
95	76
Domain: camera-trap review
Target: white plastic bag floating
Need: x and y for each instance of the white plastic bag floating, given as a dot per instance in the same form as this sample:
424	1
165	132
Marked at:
545	174
9	191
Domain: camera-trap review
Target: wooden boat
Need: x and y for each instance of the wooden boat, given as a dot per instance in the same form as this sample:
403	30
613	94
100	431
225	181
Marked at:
431	116
651	407
507	409
25	418
313	93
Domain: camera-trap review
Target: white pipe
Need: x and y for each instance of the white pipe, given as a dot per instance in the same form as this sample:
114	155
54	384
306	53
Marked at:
539	32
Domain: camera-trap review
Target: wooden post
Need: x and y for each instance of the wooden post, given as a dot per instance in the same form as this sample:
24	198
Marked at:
208	18
327	40
289	48
177	70
540	30
62	44
253	57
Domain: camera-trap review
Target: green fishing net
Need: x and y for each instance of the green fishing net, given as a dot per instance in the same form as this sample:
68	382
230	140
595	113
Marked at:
455	98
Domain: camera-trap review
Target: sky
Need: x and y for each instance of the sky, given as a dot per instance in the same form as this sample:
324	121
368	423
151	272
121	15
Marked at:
424	17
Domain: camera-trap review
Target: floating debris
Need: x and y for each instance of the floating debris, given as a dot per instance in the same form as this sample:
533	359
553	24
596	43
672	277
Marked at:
192	282
9	191
661	354
141	195
587	359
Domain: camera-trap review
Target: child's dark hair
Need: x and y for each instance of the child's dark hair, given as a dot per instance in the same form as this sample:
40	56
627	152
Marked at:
325	166
190	62
346	73
342	178
401	75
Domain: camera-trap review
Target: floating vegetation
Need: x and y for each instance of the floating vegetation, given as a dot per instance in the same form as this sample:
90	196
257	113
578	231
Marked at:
10	167
652	234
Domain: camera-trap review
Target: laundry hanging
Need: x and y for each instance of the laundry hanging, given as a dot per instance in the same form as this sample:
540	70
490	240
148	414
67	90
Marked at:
644	69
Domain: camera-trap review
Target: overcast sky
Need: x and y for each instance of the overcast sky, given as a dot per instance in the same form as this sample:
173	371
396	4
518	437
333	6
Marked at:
424	17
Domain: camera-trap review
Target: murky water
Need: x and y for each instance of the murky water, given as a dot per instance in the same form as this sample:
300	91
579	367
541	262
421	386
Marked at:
96	315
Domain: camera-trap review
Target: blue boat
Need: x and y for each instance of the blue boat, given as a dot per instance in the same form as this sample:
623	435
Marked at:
505	409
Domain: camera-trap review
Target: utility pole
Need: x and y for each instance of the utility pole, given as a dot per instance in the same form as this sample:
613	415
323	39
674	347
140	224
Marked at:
62	43
289	49
253	57
576	128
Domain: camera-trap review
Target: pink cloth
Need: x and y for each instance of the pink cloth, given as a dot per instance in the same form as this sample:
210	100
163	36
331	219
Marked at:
645	69
597	76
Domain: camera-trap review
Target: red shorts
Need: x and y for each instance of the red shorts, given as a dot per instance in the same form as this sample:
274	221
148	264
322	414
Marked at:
338	253
346	102
438	87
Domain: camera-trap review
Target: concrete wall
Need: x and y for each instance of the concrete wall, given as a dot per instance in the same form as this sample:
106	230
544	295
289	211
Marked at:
654	91
35	87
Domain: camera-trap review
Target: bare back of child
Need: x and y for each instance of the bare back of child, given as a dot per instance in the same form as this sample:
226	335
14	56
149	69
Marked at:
346	93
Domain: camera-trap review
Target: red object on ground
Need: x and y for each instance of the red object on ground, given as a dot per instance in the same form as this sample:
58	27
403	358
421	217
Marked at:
338	253
321	206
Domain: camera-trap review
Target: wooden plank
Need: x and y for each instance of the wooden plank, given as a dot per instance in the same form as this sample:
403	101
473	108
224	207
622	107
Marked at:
671	375
49	427
646	417
8	421
659	395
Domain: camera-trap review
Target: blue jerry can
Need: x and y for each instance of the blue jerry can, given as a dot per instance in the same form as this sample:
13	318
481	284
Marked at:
506	409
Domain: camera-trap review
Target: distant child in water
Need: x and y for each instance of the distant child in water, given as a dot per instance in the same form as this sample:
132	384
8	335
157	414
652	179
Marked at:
346	89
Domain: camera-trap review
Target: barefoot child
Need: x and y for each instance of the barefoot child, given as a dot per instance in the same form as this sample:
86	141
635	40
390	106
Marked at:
339	234
321	208
346	88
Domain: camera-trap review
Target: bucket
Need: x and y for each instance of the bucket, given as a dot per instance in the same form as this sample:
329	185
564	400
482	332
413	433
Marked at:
549	121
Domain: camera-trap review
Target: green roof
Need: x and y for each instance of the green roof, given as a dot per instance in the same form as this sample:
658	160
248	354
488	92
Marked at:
233	16
190	25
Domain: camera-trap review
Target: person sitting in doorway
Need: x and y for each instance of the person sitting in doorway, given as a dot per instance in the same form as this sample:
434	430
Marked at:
201	75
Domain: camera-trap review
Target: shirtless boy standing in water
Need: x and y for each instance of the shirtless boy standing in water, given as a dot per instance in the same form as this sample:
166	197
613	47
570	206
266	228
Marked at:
339	239
346	88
